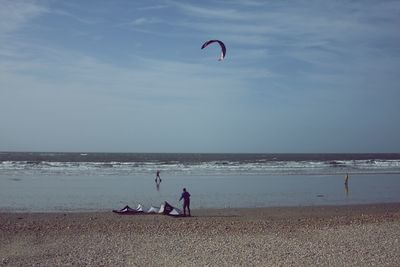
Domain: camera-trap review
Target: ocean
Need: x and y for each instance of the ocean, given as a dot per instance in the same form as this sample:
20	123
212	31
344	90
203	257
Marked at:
40	182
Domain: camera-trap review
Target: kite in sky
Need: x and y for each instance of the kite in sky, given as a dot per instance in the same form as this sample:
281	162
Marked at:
223	48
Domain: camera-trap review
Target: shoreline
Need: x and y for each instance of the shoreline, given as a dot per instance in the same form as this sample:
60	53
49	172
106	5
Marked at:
303	208
202	211
349	235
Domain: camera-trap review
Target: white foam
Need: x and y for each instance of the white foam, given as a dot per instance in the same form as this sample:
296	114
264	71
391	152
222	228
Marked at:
213	168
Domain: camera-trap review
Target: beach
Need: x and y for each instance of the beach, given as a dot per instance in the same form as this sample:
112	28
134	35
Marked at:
351	235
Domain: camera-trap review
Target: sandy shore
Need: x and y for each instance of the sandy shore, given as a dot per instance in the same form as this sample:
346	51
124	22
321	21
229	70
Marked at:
361	235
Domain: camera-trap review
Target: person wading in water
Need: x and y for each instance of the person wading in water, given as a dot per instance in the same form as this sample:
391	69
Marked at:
158	177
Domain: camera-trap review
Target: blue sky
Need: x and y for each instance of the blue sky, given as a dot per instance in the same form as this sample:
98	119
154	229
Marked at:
129	76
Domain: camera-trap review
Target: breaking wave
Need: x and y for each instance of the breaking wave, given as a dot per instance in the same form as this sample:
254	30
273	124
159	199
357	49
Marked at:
190	164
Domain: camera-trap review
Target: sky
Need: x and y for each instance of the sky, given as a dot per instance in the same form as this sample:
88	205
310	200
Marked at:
129	76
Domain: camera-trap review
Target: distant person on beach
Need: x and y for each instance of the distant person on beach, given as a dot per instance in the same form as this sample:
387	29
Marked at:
346	184
158	176
186	201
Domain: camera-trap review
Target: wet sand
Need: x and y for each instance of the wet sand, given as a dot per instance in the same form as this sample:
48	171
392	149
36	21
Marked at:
357	235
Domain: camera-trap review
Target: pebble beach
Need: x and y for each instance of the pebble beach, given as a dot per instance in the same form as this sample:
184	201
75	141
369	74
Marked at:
354	235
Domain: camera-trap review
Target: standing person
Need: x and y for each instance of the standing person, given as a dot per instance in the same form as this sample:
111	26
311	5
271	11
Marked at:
186	201
346	179
158	176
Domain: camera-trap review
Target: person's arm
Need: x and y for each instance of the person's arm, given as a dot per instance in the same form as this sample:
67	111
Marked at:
181	197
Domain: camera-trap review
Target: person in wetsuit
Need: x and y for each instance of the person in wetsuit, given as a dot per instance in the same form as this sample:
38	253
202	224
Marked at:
186	201
158	177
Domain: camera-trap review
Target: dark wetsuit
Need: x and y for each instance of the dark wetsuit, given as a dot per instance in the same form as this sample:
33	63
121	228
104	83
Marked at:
186	202
158	177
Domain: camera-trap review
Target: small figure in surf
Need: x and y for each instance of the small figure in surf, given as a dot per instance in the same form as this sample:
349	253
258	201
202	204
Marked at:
186	201
346	184
158	178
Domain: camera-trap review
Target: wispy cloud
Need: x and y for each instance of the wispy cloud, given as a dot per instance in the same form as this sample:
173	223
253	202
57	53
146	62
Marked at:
70	15
145	21
298	21
322	38
16	14
153	7
219	13
145	78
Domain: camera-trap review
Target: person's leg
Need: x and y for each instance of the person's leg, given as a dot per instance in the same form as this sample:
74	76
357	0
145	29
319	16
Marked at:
184	208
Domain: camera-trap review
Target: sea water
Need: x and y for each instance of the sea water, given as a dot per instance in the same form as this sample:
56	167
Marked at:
101	181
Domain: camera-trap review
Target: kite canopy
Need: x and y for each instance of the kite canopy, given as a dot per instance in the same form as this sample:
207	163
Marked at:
129	210
166	209
223	48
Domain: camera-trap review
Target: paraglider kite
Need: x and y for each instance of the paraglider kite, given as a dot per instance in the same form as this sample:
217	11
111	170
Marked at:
223	48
